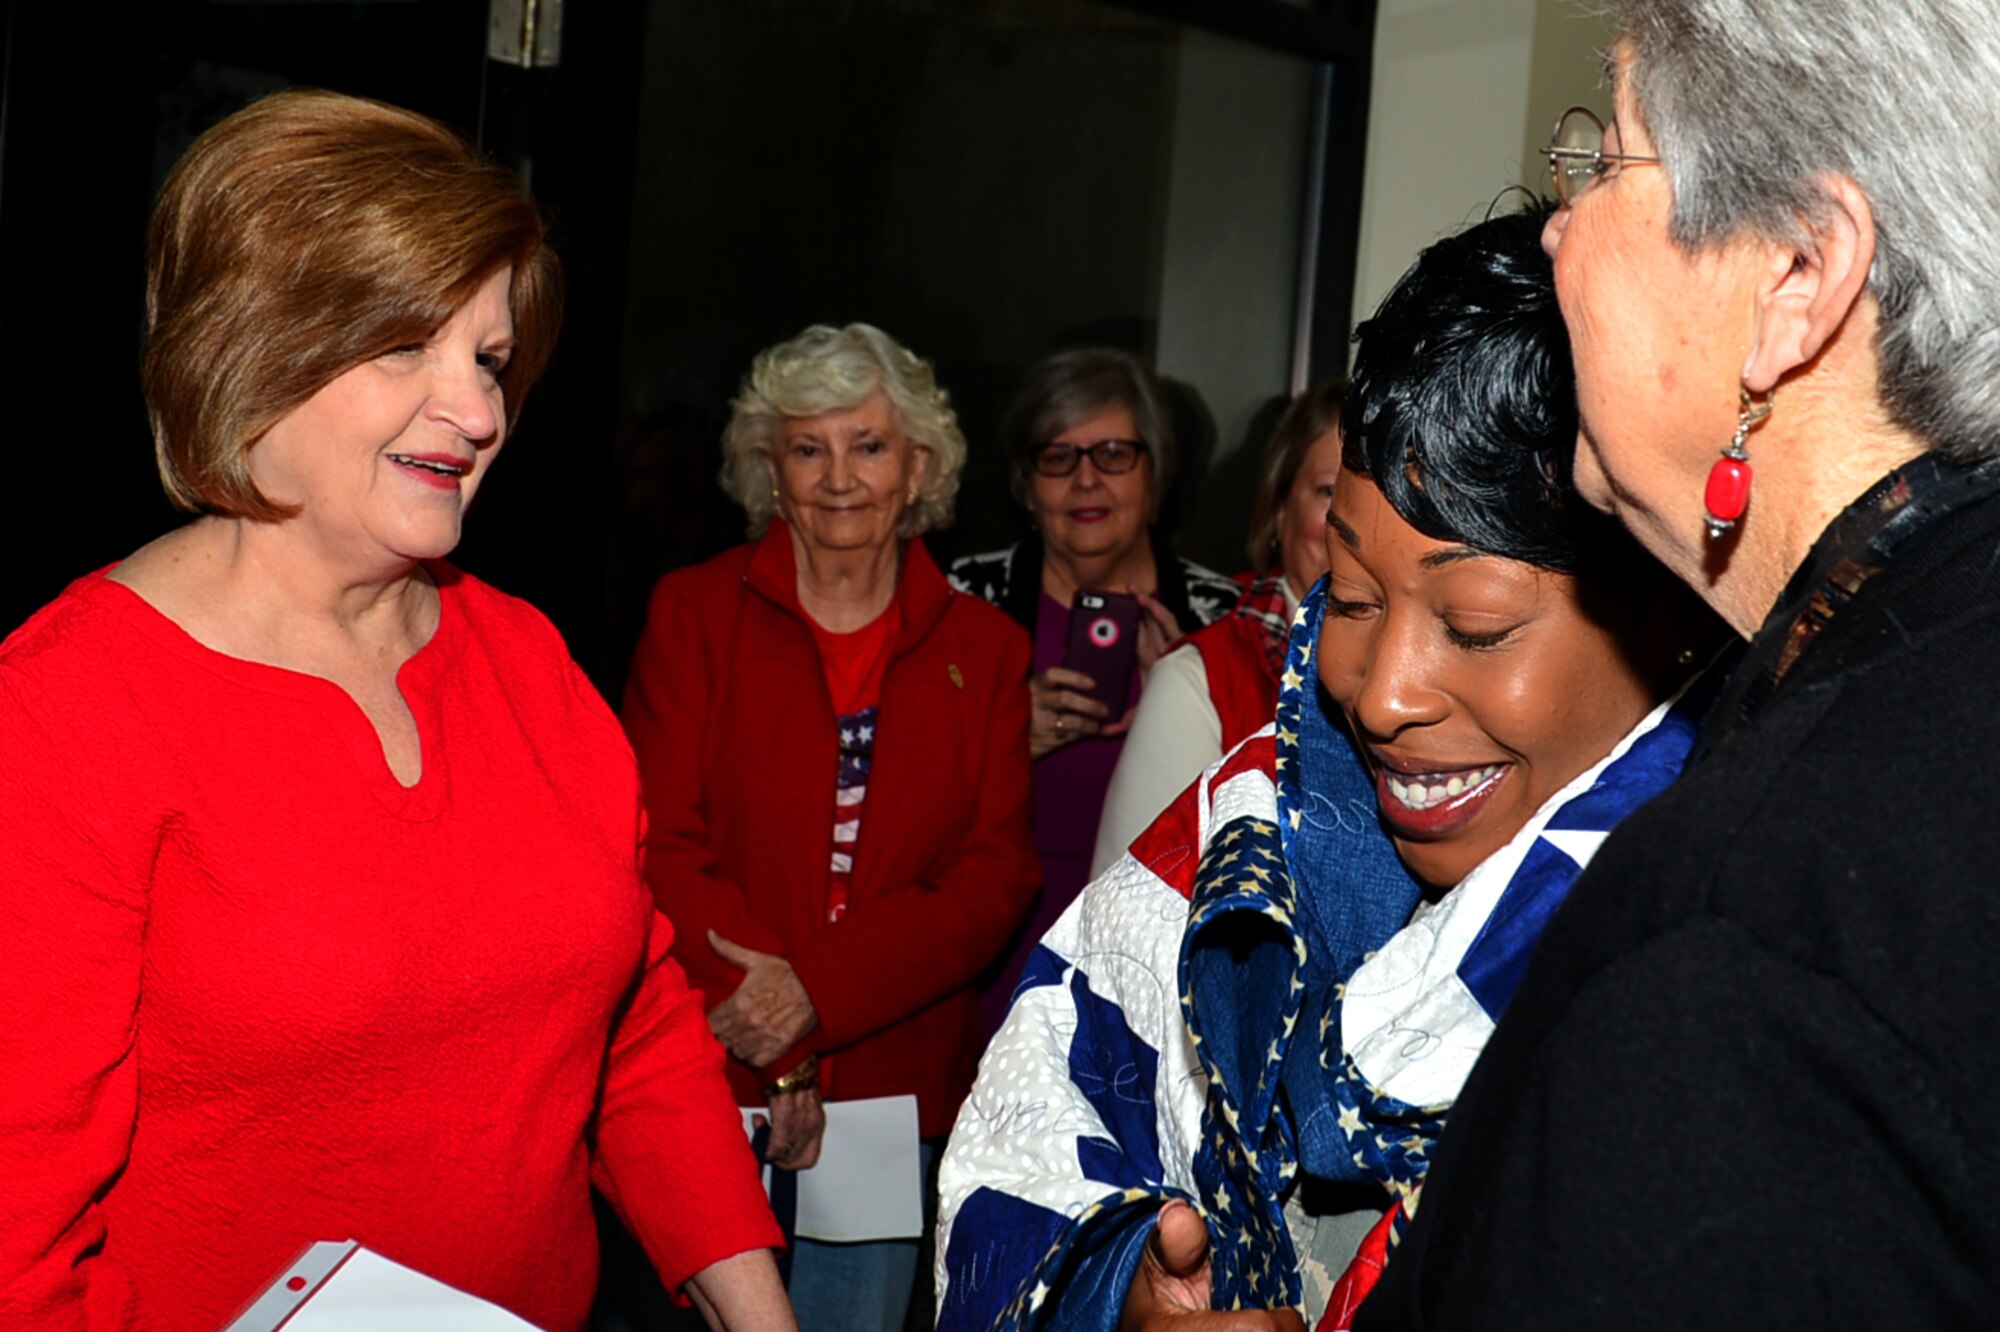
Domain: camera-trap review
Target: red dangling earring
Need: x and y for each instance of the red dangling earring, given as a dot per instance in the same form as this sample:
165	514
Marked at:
1727	494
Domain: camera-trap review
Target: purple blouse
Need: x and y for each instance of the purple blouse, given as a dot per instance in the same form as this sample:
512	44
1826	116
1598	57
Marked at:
1070	784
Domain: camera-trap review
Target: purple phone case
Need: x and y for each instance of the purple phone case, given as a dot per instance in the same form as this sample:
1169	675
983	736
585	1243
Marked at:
1104	644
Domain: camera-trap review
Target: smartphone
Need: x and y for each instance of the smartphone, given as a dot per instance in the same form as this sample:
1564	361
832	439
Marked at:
1104	645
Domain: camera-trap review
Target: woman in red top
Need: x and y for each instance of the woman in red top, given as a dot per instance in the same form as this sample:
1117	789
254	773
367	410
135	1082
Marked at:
835	752
319	858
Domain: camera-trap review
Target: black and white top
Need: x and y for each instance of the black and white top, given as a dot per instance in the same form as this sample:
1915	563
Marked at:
1012	580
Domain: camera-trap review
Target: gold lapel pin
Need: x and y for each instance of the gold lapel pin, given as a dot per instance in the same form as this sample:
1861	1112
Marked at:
957	676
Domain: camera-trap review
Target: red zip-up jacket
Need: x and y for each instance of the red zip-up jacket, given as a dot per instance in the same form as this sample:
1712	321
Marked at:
728	711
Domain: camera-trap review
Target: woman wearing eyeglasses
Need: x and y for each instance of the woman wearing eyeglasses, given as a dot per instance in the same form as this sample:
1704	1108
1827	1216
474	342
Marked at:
1090	451
1752	1078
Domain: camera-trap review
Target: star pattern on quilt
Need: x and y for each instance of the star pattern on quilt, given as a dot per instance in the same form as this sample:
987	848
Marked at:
1247	1158
1249	1155
1399	1157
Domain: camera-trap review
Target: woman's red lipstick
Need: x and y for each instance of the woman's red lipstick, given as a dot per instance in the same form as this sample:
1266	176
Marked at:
1424	806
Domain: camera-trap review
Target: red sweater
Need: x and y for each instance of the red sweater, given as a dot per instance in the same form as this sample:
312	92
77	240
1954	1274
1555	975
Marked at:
254	993
728	710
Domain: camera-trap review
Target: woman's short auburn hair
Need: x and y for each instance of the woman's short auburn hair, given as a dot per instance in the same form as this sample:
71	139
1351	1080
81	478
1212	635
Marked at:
304	235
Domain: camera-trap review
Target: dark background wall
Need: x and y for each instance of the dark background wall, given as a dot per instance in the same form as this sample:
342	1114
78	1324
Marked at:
985	184
987	179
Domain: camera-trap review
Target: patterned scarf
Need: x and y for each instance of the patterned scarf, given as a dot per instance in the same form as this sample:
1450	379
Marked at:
1262	960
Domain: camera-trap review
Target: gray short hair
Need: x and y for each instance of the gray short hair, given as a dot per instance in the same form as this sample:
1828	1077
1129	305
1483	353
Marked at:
1072	386
827	369
1749	101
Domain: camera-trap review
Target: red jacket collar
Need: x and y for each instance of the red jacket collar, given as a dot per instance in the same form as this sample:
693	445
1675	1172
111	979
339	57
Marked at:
922	594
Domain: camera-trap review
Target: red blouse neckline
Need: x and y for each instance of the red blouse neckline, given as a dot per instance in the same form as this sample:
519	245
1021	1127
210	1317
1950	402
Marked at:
417	680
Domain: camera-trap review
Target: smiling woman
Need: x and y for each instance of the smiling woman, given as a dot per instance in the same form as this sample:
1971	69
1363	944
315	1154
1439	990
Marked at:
1477	686
389	454
1252	1027
1483	627
835	753
325	916
1776	983
844	478
1091	452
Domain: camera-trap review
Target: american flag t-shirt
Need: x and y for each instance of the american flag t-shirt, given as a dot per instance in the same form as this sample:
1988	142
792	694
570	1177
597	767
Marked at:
856	664
857	754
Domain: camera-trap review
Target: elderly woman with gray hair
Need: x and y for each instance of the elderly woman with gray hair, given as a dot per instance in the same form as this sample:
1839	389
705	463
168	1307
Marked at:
834	750
1752	1076
1090	454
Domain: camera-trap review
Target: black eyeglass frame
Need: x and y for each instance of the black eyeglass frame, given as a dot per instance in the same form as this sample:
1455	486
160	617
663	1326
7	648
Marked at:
1597	158
1078	452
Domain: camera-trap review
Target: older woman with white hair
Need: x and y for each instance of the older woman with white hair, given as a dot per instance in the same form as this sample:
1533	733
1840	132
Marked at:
1752	1077
834	746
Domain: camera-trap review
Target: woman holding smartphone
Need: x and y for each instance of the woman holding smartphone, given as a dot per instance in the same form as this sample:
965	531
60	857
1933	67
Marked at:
1090	451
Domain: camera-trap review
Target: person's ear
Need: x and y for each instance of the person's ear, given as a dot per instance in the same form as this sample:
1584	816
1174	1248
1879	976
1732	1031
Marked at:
1808	289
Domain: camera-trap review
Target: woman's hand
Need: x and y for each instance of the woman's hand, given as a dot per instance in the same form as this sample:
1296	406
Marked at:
1158	631
1061	715
743	1294
770	1011
1172	1288
1058	714
798	1122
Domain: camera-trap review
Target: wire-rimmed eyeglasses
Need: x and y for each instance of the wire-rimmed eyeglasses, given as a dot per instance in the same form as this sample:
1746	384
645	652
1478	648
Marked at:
1113	457
1577	159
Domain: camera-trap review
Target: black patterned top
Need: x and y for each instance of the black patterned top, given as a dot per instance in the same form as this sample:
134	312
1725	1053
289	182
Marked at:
1011	579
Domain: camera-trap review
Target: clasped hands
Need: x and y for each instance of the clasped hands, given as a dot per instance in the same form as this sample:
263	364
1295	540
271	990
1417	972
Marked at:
1059	713
768	1014
1172	1287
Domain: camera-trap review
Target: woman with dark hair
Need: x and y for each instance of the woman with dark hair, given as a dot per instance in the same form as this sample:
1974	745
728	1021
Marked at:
1220	683
1090	453
1752	1079
324	916
1241	1032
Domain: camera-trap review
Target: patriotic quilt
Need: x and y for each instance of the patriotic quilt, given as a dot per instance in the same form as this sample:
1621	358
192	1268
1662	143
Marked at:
1255	990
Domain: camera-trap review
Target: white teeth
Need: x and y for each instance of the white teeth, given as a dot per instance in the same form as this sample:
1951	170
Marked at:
1419	795
442	469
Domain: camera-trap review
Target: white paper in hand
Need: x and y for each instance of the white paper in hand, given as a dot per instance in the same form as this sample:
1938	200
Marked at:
867	1185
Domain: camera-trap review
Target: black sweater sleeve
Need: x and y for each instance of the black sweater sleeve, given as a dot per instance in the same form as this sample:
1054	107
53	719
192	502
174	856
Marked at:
1708	1136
